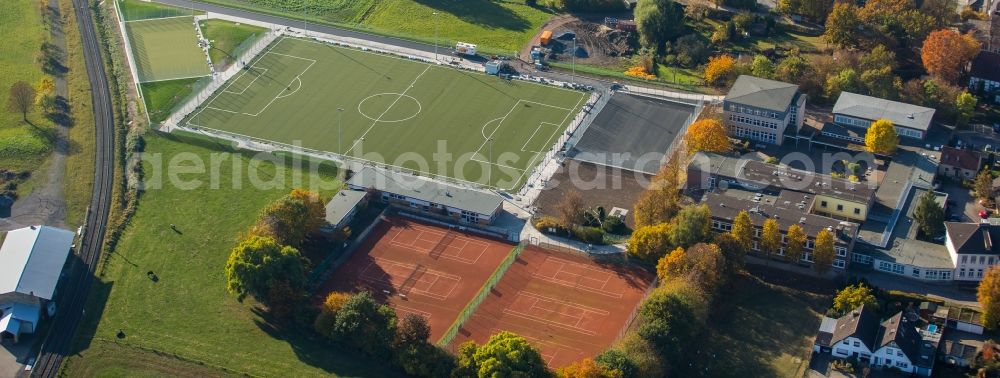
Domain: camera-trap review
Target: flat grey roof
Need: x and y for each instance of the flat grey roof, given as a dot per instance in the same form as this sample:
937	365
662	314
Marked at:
342	203
874	108
425	189
762	93
727	204
916	253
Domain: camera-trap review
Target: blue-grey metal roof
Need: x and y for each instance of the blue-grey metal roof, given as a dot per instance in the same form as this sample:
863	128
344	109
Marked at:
32	258
342	204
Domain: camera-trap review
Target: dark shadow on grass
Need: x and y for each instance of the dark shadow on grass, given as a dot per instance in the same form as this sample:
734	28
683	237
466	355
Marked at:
487	13
94	310
314	350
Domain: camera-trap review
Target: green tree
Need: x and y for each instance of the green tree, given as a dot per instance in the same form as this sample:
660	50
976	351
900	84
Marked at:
287	220
793	69
929	214
852	297
505	354
762	67
988	295
823	251
965	105
878	58
672	318
795	243
692	226
414	353
881	137
770	237
650	243
880	82
843	26
731	250
258	263
846	80
614	360
982	188
365	324
658	21
742	230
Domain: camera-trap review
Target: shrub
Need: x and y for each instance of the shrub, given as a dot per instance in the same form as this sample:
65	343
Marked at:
549	225
592	235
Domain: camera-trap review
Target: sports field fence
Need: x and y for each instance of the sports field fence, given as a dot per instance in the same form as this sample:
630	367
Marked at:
635	311
204	88
484	291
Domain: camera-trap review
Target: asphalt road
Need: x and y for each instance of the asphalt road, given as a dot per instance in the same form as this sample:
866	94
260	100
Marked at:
71	301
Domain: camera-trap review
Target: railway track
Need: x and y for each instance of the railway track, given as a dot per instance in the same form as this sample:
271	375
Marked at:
72	300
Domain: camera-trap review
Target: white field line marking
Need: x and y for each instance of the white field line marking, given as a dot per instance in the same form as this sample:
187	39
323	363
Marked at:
281	93
157	19
533	136
387	109
173	78
393	55
208	103
562	124
235	79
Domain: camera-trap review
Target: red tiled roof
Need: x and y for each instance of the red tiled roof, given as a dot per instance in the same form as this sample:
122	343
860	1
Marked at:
961	158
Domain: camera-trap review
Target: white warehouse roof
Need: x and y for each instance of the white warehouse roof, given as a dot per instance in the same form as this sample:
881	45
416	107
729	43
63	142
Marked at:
32	258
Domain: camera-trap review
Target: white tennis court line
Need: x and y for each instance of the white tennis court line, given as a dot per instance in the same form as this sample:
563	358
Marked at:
456	257
436	275
584	310
540	344
562	264
387	109
243	73
411	310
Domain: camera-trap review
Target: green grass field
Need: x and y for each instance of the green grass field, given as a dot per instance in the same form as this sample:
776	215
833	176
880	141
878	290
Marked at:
23	147
500	27
188	314
227	38
773	325
396	111
143	9
166	49
162	96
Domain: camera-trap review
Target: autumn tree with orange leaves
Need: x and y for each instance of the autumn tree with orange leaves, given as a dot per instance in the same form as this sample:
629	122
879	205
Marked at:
707	135
946	52
720	70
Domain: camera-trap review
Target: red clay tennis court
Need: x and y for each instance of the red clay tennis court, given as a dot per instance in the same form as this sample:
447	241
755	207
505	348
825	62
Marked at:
568	306
420	268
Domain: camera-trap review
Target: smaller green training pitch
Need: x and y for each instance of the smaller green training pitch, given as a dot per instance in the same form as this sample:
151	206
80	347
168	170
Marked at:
404	113
166	49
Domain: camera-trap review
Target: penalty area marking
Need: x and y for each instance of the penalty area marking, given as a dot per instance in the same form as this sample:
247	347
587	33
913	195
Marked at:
280	94
264	71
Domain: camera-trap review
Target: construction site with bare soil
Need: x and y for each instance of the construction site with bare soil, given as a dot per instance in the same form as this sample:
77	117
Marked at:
597	41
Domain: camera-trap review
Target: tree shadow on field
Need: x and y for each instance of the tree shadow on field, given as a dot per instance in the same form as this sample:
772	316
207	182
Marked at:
317	351
480	12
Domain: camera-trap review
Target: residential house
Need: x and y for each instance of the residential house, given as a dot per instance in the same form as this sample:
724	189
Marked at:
851	335
429	197
962	164
761	109
812	192
342	208
984	75
31	263
726	206
896	343
859	111
973	248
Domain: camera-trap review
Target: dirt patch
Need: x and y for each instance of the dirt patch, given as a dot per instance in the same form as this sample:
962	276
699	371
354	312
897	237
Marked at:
596	43
598	186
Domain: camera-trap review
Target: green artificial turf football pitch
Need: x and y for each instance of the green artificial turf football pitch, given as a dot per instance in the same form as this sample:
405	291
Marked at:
166	49
436	120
